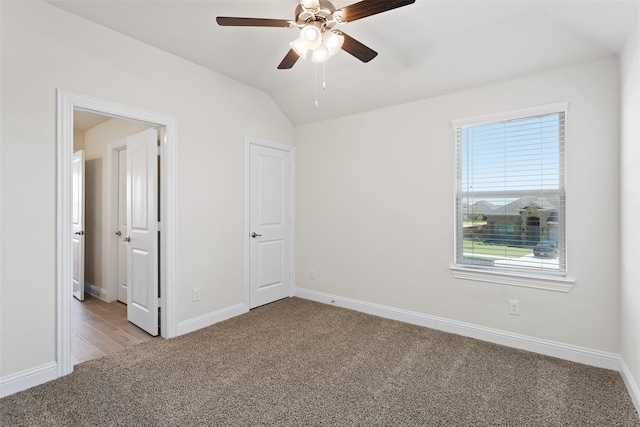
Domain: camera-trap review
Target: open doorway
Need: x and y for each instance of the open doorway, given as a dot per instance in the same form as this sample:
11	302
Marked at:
102	317
68	104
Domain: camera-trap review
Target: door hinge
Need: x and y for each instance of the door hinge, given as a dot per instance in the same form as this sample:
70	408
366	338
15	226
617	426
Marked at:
159	150
159	301
159	226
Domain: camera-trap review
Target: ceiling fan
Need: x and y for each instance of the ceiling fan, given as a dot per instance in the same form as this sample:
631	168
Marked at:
317	20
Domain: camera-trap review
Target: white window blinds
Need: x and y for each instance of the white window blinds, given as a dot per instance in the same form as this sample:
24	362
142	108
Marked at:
510	197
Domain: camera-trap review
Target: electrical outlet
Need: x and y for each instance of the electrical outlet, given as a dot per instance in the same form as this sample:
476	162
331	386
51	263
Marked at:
514	307
195	294
312	273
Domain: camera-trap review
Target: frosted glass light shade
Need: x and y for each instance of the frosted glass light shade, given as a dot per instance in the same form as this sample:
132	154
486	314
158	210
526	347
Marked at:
310	4
311	36
333	42
320	54
299	48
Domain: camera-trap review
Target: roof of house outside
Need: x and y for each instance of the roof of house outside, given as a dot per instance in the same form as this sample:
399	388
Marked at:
514	208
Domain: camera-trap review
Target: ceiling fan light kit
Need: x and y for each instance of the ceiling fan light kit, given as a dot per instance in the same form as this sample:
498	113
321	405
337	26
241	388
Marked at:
323	45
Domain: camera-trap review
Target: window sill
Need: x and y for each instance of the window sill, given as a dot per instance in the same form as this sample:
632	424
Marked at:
556	284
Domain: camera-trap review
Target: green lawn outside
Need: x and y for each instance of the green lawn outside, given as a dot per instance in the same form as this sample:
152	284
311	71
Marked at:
479	248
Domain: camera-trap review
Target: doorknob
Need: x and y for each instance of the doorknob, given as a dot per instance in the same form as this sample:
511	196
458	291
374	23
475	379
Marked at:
254	235
80	233
127	239
118	233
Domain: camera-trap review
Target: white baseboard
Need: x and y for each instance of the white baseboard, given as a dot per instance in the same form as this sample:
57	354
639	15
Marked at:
631	384
96	291
29	378
560	350
210	318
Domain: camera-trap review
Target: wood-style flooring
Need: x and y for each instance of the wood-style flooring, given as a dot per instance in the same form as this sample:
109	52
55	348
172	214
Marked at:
101	328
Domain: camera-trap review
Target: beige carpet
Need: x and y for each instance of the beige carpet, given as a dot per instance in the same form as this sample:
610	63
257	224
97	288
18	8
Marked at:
297	362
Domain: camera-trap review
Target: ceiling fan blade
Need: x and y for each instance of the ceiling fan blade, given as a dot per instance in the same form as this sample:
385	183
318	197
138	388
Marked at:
289	60
366	8
230	21
357	49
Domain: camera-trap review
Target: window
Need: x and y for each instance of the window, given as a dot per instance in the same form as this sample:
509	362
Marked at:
510	197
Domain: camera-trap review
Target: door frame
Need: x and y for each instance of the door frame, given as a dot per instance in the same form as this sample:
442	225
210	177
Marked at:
248	142
67	102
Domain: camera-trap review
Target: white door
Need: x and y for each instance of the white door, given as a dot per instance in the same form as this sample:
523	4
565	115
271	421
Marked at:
269	221
77	239
142	237
122	226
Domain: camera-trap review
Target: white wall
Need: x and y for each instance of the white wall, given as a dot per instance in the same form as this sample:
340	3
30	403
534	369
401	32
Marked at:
44	48
94	218
630	206
375	207
98	138
78	140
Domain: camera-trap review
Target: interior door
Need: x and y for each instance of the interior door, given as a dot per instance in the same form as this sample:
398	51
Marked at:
77	239
142	237
269	220
122	226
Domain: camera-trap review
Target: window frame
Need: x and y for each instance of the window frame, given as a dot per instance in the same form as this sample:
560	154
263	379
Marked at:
546	280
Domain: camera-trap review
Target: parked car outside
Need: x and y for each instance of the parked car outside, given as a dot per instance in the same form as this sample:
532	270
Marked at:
546	249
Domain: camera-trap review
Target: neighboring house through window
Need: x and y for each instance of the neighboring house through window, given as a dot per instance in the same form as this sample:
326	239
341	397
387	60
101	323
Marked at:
510	192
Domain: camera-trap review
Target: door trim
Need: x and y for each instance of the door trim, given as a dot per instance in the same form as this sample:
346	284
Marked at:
248	142
67	102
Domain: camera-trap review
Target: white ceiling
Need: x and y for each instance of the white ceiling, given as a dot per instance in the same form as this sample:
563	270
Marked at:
83	120
425	49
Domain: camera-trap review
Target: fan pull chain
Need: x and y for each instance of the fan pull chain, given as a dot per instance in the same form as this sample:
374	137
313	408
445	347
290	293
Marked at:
324	81
316	85
324	75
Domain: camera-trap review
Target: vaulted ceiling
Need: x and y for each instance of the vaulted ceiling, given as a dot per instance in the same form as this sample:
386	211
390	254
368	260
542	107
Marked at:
426	49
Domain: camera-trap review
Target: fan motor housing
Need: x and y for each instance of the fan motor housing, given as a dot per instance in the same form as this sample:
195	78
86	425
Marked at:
323	15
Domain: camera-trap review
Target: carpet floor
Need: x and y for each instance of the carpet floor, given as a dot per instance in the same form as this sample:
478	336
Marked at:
300	363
